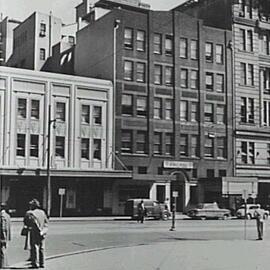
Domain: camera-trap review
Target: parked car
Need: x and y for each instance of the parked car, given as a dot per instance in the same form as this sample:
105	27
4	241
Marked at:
153	209
208	210
240	213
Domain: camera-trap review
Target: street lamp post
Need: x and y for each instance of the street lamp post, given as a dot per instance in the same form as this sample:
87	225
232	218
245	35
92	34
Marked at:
49	188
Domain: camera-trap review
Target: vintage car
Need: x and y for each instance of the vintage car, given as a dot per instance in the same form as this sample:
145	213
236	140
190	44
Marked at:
153	209
208	210
240	213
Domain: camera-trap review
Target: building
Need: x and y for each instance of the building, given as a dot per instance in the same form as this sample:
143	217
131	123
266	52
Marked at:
6	39
250	25
36	40
79	142
173	106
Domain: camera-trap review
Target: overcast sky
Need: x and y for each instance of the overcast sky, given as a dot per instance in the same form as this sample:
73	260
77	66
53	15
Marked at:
21	9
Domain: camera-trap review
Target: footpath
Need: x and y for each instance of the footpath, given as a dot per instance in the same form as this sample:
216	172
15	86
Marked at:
175	255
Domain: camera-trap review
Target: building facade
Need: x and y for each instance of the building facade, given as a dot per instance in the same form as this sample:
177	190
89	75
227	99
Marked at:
80	159
173	107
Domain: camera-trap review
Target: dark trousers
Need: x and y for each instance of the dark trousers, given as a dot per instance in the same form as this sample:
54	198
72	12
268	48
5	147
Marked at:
259	224
3	255
37	246
141	217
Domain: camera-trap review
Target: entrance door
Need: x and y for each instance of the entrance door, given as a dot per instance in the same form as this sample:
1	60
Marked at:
176	186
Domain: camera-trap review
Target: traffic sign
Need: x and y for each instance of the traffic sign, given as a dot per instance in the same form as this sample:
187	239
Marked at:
175	194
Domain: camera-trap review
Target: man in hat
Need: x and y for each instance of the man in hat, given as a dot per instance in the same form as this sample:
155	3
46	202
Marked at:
37	222
5	234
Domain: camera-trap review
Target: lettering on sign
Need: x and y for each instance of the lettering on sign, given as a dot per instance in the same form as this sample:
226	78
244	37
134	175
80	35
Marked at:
177	164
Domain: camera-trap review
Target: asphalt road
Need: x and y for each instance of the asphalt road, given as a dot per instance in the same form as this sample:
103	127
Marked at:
70	236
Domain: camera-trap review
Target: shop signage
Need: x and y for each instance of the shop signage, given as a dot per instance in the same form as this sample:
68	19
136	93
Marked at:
175	194
61	191
173	164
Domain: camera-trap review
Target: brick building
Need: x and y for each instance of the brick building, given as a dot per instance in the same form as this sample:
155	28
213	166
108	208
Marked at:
173	107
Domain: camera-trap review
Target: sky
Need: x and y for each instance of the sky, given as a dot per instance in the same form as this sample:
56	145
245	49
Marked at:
65	9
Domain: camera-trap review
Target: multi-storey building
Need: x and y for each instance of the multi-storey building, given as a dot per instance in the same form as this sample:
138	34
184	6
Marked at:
250	25
6	39
173	106
35	38
80	148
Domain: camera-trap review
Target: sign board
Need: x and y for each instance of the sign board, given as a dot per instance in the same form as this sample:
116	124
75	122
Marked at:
236	185
245	194
173	164
61	191
175	194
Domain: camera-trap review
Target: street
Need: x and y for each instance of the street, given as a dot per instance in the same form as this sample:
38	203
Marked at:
73	236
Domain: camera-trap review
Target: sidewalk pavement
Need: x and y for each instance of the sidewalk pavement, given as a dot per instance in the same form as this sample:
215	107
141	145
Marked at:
96	218
174	255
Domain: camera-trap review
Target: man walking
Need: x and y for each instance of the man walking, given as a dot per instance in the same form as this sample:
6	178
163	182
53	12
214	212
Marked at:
37	222
5	234
259	215
141	211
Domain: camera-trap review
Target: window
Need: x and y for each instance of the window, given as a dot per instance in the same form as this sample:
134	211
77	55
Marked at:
85	148
60	114
168	45
97	149
169	76
141	106
210	173
250	75
266	80
243	74
219	54
264	43
168	109
248	9
97	115
42	30
158	74
142	170
85	119
247	110
195	146
209	147
184	111
221	147
194	112
42	54
220	83
208	112
266	113
157	108
20	151
183	145
157	43
221	116
126	141
194	79
128	38
127	105
209	84
71	40
140	72
194	49
34	109
157	143
242	43
184	78
128	71
141	142
60	146
183	48
222	173
209	52
22	107
169	144
140	40
247	152
249	46
34	143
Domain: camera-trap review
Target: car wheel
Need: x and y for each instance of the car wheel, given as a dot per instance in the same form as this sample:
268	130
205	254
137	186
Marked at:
165	216
225	217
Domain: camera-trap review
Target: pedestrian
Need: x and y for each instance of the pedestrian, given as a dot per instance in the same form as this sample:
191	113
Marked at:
37	223
5	234
141	212
259	216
